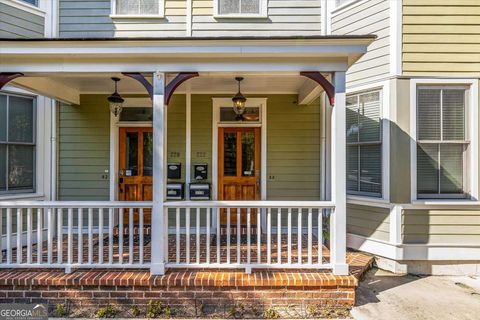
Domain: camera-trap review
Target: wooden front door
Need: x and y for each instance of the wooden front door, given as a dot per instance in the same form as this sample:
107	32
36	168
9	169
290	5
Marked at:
135	167
238	169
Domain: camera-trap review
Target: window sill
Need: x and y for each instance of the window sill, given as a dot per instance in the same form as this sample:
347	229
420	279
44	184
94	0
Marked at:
240	16
368	201
137	16
22	196
25	7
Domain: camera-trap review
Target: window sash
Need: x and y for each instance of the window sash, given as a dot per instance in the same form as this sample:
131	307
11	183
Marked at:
433	132
241	8
138	7
8	147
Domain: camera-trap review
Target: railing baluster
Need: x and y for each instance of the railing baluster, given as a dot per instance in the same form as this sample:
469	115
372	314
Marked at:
40	235
269	235
259	238
90	235
218	237
60	235
120	236
49	235
141	240
19	235
29	235
309	236
239	236
320	237
299	236
248	235
187	235
289	236
110	234
197	244
70	237
130	235
80	235
177	235
100	235
279	235
228	235
209	212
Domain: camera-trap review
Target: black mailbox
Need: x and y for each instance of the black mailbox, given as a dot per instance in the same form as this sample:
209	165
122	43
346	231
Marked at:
175	191
199	191
200	171
174	170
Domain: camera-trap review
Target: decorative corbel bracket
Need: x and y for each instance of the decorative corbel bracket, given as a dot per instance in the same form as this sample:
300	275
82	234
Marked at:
176	82
6	77
140	78
323	82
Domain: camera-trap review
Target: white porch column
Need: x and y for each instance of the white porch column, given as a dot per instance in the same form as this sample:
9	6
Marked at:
338	224
159	237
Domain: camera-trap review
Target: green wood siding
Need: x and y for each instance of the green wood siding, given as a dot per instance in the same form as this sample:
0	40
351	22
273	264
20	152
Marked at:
368	221
201	136
17	23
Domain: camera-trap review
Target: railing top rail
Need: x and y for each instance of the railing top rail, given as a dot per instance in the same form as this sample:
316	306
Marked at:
251	204
75	204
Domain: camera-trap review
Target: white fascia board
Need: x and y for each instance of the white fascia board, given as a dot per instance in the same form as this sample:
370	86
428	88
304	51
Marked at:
50	88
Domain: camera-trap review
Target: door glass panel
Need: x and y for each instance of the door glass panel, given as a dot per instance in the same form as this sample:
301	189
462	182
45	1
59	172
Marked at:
230	154
131	154
147	153
248	154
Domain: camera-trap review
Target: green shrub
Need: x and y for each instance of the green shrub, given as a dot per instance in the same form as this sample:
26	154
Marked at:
106	312
271	313
60	310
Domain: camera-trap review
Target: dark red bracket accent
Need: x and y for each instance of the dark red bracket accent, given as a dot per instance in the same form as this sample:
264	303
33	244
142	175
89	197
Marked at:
323	82
177	81
140	78
6	77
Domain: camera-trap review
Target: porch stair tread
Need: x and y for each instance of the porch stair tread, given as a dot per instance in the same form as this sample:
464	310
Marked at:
358	264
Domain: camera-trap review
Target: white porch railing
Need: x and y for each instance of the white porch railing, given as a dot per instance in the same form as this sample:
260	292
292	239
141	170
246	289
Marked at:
202	234
73	234
271	234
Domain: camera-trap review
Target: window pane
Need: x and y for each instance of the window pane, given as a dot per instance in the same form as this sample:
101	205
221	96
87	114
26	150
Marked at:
371	169
453	114
3	118
3	167
147	153
451	168
427	168
352	168
131	163
20	167
248	154
369	118
229	6
250	6
136	114
428	114
33	2
352	119
20	119
251	114
138	7
230	154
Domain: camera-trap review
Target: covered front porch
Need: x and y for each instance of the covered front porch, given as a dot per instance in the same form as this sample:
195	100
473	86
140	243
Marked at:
239	225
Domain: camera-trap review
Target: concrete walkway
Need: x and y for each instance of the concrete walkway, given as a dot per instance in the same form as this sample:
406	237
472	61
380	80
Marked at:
383	295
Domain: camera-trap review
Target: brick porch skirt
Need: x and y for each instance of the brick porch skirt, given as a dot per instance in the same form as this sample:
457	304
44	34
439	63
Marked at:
187	292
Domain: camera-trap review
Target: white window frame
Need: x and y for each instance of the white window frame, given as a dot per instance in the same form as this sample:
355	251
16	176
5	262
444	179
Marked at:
384	88
263	13
115	15
471	130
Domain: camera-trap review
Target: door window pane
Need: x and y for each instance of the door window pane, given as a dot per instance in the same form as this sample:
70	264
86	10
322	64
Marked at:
20	119
131	154
3	118
147	153
20	167
230	154
248	154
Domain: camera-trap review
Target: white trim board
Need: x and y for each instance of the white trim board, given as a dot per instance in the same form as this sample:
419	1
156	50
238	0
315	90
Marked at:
472	131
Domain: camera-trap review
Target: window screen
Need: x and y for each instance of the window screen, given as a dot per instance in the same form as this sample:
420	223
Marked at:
138	7
17	144
364	144
238	7
441	142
